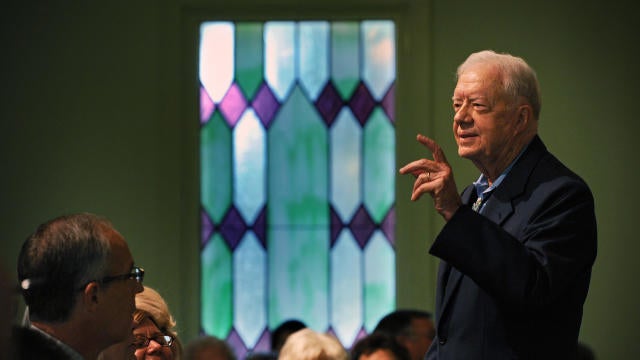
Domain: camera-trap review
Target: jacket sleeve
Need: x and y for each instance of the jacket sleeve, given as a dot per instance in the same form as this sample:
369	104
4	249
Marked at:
537	255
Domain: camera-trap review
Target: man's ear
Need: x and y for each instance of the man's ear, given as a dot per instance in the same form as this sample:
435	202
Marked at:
525	116
91	296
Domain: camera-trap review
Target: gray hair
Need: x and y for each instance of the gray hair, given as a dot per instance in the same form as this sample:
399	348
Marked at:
60	257
518	78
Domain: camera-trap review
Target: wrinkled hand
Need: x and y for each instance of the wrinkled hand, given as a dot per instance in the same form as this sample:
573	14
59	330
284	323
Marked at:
434	177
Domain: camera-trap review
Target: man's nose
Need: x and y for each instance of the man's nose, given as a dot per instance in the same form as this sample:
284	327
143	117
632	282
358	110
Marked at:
462	114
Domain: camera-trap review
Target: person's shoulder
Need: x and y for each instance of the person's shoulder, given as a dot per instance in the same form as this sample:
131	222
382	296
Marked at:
30	344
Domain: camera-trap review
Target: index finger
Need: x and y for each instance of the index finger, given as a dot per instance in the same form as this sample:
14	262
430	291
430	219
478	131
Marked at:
438	154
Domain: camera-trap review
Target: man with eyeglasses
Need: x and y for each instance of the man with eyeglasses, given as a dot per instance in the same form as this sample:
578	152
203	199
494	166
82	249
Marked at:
79	281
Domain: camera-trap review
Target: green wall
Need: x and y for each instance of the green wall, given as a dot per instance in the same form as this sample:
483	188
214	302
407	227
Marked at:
97	114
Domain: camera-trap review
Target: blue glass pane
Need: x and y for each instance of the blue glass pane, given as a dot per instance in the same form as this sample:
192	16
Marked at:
216	288
346	288
379	165
216	58
215	167
345	57
380	280
314	62
346	161
249	277
249	51
280	57
249	166
379	56
298	235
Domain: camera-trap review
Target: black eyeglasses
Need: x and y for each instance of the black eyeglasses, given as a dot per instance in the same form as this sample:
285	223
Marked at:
141	341
136	273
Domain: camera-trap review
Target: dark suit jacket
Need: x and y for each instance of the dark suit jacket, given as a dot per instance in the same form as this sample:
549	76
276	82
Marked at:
28	344
513	280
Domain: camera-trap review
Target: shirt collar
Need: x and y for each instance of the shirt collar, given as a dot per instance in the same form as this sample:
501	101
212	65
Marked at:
69	351
483	189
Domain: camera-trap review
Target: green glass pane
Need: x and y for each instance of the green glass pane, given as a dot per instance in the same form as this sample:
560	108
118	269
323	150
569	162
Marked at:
345	57
215	167
379	278
379	165
298	213
216	291
249	52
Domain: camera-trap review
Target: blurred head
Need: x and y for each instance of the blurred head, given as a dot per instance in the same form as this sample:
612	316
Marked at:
153	320
379	346
208	348
307	344
282	332
413	329
78	269
496	103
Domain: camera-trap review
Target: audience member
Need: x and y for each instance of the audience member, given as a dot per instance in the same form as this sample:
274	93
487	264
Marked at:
261	356
153	334
79	282
7	311
208	348
413	329
282	332
585	352
379	346
307	344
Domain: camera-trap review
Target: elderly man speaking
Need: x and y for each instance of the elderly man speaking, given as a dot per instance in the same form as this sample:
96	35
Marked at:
519	243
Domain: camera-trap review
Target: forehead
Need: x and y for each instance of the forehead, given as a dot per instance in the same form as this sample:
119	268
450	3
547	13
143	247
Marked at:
146	327
121	259
477	81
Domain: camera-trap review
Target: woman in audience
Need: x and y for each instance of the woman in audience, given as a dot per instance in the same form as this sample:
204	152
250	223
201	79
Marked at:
153	334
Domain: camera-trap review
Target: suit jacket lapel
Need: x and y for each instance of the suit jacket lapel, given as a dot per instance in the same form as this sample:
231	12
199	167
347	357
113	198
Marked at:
500	205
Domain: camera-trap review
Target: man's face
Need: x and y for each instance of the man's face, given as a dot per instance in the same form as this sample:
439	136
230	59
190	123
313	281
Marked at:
483	125
119	295
422	334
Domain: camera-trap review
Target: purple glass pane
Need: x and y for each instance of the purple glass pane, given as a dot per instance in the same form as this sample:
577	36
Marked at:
389	102
206	228
265	105
362	226
233	228
362	103
388	225
336	226
237	344
260	227
264	343
329	103
362	333
233	105
206	106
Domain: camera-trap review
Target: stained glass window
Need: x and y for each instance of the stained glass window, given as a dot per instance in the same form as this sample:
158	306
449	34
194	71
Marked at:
297	145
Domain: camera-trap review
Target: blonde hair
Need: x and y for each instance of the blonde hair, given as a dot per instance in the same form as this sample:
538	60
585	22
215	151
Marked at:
149	304
307	344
